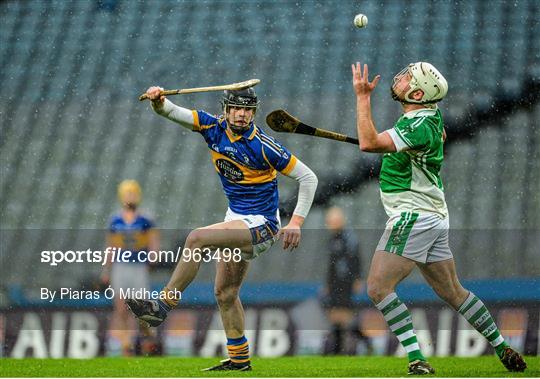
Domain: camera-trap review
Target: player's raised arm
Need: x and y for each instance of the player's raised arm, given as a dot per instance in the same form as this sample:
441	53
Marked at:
168	109
370	139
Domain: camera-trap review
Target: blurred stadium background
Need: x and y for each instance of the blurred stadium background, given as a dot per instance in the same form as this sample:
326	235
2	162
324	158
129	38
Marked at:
72	129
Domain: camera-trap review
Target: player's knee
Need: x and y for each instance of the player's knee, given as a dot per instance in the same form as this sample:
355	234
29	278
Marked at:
195	238
377	292
226	295
452	295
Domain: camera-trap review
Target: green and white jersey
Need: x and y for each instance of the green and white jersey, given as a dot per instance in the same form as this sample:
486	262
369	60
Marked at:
410	178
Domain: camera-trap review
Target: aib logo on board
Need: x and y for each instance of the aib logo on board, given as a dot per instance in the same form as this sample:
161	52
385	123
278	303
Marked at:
229	170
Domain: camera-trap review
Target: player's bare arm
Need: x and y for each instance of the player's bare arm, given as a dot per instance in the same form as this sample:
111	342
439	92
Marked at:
168	109
370	139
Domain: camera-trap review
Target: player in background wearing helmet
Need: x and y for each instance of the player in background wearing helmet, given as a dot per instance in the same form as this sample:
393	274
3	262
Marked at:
247	161
130	231
416	233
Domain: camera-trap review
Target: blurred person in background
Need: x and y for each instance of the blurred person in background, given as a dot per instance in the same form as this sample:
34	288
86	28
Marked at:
129	230
342	282
412	193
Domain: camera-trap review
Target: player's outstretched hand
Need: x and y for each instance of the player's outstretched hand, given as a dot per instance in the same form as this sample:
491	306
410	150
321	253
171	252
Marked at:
361	83
291	235
154	94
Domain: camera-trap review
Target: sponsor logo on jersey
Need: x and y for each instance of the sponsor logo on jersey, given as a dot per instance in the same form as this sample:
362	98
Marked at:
229	170
230	154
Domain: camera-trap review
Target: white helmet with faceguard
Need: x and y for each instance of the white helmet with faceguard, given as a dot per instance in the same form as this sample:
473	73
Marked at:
426	77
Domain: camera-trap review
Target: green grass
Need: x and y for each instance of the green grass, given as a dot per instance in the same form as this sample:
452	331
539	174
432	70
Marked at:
278	367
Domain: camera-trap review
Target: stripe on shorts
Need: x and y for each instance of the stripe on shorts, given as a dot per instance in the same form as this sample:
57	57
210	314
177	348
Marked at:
400	233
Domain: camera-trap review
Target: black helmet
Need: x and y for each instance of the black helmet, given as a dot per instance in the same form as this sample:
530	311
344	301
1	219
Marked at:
242	98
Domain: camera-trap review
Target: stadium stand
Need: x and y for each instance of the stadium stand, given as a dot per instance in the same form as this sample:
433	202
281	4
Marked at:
72	128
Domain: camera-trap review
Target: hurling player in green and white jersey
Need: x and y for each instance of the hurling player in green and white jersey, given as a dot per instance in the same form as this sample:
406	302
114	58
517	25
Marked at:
416	233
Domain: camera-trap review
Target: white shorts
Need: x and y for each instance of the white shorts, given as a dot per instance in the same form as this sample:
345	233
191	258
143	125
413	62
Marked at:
129	275
420	237
263	231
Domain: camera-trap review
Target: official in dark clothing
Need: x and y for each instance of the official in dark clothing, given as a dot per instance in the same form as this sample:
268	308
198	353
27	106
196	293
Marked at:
343	279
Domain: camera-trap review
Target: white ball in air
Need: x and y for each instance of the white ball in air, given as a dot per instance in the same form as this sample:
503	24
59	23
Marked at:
360	20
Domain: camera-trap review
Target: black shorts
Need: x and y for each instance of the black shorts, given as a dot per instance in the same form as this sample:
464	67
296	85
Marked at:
337	300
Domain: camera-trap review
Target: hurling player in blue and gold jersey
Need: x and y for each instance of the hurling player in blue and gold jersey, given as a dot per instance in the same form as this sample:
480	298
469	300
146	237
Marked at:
129	231
247	161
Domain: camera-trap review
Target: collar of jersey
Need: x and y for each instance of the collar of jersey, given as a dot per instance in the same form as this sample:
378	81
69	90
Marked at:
249	134
420	112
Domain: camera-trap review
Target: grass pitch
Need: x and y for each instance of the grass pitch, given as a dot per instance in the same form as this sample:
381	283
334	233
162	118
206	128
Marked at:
487	366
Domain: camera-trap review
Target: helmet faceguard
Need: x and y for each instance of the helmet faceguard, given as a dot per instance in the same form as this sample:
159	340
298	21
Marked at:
246	98
426	77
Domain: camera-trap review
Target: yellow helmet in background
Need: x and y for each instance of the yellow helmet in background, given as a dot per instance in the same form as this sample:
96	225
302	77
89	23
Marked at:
129	193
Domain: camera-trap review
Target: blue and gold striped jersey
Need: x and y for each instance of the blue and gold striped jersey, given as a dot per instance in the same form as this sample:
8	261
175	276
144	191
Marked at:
247	165
133	237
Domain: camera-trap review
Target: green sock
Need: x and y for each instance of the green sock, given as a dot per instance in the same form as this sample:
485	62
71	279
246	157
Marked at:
415	355
476	313
399	320
500	348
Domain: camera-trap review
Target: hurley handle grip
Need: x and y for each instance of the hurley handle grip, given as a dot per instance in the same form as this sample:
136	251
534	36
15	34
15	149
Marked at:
162	93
